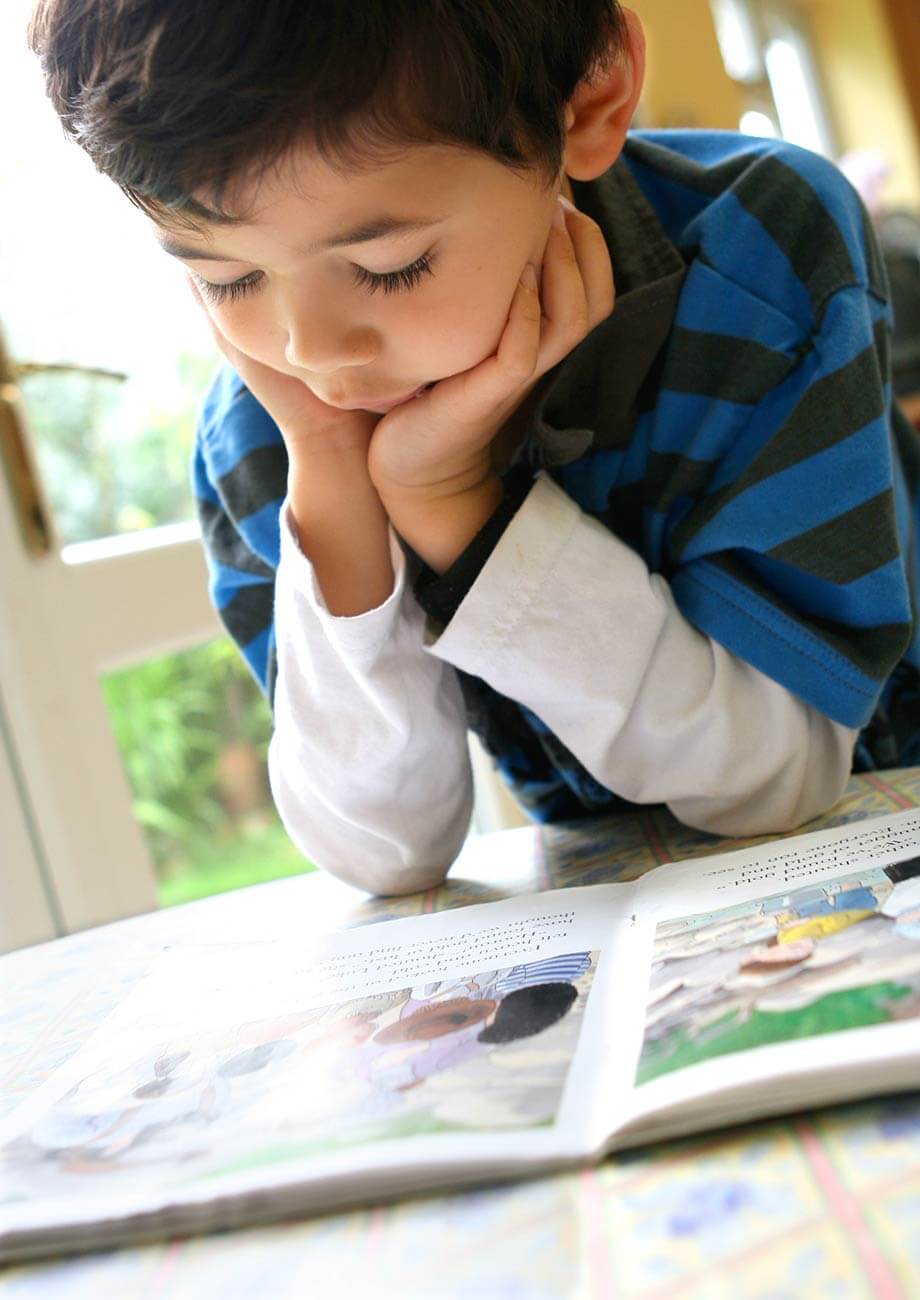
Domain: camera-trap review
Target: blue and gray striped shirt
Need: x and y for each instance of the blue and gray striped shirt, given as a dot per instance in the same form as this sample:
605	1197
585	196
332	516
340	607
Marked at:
732	421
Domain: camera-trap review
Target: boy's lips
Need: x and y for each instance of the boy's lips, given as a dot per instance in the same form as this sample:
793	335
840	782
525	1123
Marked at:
379	405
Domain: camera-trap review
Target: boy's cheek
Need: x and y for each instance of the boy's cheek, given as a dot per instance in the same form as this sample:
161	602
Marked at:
251	337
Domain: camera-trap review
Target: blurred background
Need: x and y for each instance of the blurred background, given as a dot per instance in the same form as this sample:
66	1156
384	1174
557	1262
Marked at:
149	748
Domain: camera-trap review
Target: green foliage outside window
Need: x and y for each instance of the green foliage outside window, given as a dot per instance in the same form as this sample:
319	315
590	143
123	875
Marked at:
193	731
114	456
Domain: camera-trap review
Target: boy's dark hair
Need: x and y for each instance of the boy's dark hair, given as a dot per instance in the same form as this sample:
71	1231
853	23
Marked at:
528	1011
176	97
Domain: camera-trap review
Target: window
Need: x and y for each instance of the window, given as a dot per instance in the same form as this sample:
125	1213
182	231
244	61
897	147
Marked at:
767	48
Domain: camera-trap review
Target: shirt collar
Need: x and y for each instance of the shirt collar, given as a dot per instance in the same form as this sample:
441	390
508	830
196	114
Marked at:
592	397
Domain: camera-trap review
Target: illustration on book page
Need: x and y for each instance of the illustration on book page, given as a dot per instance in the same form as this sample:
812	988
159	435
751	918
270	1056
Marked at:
487	1051
839	955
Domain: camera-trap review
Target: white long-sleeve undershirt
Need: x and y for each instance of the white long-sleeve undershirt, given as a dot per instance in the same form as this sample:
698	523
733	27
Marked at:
369	762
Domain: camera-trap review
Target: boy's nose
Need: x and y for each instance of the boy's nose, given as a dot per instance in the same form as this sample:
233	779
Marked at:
322	347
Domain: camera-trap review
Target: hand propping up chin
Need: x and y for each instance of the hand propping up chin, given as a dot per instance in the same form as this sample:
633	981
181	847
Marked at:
437	445
310	427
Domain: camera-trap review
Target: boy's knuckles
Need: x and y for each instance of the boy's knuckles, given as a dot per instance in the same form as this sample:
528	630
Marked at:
604	308
575	326
519	369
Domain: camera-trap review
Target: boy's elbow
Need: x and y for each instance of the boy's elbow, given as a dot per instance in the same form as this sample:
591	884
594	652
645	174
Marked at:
380	863
387	875
743	818
739	820
380	848
796	792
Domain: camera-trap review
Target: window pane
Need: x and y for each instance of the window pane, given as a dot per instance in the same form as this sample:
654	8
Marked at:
114	457
794	91
193	731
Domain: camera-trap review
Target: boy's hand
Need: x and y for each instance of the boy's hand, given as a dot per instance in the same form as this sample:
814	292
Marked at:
430	459
340	522
308	425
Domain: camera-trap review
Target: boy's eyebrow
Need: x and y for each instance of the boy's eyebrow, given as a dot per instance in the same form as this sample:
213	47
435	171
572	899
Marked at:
376	228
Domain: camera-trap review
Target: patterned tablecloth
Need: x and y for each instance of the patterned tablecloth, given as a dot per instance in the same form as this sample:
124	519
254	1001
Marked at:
819	1205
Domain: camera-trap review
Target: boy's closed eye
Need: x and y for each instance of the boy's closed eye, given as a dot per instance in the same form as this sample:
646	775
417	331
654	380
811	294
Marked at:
406	278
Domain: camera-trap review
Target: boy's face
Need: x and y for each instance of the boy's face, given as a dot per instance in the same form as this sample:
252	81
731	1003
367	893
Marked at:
276	293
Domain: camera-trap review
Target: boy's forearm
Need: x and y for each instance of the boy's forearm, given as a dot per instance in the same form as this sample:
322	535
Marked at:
342	529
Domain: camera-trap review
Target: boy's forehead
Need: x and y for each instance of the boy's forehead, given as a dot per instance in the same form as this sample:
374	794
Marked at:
322	207
302	177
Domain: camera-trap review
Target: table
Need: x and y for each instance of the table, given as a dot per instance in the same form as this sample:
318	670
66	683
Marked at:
818	1205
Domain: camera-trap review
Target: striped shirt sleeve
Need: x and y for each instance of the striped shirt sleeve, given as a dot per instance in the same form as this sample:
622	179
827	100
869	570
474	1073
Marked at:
239	474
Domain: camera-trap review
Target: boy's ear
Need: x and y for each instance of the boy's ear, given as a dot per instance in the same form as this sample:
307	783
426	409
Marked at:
600	110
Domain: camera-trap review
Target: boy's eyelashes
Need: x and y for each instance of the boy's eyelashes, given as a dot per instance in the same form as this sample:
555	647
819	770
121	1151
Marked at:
219	293
395	281
390	281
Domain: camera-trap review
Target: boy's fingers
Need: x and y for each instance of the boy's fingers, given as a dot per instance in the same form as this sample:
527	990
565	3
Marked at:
519	346
486	386
522	339
478	393
596	268
565	302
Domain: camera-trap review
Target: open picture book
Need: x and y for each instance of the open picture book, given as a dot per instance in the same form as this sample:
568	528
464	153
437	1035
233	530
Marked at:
242	1083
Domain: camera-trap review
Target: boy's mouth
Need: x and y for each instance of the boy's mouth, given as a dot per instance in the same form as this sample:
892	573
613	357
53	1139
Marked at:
381	407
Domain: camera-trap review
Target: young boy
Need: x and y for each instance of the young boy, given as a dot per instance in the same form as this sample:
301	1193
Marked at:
656	549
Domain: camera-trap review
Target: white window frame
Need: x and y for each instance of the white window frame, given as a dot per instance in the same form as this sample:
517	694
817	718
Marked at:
72	853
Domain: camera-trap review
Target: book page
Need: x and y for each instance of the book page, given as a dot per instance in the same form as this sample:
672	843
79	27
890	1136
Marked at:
798	956
236	1066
